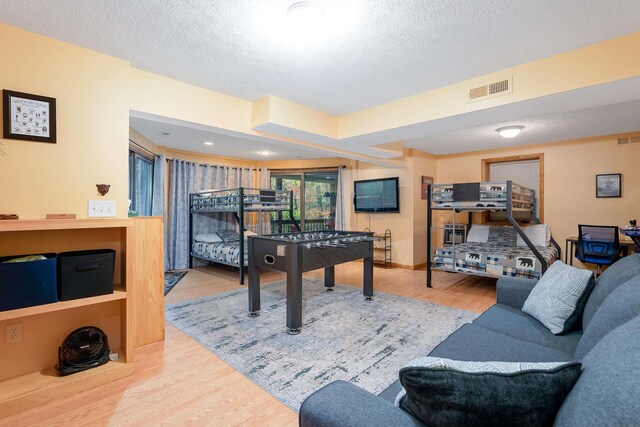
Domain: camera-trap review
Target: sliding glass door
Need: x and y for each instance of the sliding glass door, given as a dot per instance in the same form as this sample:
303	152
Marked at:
314	204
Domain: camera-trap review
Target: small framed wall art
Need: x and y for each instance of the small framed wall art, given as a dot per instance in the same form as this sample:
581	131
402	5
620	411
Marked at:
609	185
28	117
425	182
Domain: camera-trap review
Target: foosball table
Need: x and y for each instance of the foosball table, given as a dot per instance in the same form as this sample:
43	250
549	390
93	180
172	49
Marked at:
296	253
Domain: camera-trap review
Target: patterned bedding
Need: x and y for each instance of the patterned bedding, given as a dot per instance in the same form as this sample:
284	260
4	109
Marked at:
227	253
498	257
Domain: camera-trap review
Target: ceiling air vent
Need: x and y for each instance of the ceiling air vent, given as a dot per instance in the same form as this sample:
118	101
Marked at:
491	90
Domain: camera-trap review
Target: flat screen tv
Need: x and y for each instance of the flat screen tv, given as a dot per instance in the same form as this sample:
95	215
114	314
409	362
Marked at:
377	195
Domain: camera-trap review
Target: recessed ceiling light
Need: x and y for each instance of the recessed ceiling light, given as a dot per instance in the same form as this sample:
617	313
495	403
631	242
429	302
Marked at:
265	153
208	143
509	131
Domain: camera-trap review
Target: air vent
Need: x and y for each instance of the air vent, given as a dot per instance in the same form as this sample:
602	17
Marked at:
498	87
628	139
490	90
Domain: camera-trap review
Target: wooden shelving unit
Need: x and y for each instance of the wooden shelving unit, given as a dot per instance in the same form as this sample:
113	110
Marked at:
27	375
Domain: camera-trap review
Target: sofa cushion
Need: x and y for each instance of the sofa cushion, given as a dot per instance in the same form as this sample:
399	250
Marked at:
444	392
614	276
622	305
341	403
475	343
558	298
608	391
517	324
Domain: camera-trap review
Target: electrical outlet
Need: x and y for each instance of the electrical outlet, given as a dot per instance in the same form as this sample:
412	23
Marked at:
102	209
13	333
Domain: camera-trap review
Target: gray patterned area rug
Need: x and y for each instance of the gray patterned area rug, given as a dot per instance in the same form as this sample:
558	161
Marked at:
343	336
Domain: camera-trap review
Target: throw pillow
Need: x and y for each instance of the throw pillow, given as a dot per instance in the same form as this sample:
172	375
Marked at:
559	297
207	238
540	235
478	233
444	392
229	235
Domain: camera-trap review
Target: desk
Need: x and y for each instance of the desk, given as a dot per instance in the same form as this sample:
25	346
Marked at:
571	241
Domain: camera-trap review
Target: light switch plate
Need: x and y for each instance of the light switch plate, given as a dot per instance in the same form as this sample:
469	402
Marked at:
102	209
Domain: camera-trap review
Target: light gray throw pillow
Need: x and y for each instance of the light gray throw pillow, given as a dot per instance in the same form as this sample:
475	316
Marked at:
559	297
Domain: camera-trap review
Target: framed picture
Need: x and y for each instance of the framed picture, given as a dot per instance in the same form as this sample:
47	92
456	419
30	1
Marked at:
425	182
28	117
609	185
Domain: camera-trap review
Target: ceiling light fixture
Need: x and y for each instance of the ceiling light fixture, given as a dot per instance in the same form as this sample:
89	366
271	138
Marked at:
509	131
208	143
305	12
305	19
265	153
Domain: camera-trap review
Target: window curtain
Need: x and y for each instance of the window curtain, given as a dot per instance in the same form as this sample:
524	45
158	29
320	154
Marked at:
157	202
265	220
343	196
189	177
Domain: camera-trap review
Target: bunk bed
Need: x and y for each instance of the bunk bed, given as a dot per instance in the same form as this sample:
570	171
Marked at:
498	253
228	246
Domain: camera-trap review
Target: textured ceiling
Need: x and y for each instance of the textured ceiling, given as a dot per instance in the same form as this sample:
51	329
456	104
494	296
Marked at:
369	52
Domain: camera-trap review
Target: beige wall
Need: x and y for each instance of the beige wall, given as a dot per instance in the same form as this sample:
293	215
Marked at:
91	92
569	180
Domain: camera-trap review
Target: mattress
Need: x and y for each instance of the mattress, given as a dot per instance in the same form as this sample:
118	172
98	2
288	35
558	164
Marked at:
227	253
494	259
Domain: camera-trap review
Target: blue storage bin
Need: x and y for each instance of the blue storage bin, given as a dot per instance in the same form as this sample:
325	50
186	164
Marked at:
25	284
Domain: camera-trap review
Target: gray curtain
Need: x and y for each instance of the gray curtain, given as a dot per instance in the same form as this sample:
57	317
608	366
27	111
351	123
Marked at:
158	203
189	177
340	220
265	220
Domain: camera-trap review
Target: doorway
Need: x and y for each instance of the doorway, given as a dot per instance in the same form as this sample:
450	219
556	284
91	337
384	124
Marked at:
314	199
527	170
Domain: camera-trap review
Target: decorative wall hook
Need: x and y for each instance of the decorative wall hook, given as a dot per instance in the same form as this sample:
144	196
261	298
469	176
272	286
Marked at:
103	188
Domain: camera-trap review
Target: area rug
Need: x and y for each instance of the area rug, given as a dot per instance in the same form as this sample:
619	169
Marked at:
171	278
343	336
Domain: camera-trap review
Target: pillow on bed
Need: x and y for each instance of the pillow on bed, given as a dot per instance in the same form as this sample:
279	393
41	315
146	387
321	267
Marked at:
248	233
540	235
207	238
478	234
229	235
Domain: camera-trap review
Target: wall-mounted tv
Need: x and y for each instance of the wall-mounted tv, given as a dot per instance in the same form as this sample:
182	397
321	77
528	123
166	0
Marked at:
377	195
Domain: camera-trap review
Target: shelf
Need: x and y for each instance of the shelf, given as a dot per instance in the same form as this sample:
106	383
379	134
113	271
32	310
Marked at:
118	294
37	388
62	224
381	249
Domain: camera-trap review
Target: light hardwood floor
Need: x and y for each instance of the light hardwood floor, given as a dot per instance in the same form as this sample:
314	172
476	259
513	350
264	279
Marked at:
179	382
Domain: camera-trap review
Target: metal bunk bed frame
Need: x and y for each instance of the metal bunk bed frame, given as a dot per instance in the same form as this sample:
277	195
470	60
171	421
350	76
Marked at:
238	209
509	209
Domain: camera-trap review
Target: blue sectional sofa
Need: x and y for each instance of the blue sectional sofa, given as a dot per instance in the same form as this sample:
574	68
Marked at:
607	344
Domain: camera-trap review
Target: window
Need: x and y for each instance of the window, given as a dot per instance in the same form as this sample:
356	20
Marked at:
316	210
140	184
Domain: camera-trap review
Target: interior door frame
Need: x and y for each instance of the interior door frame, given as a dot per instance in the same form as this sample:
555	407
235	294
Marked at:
486	175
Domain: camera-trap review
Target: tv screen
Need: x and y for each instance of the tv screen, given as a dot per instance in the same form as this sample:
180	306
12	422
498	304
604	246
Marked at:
377	195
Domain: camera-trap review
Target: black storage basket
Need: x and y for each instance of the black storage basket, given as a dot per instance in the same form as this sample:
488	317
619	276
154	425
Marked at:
84	274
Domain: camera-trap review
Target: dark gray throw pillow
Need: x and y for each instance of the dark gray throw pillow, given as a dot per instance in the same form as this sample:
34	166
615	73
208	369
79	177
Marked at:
444	392
229	235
